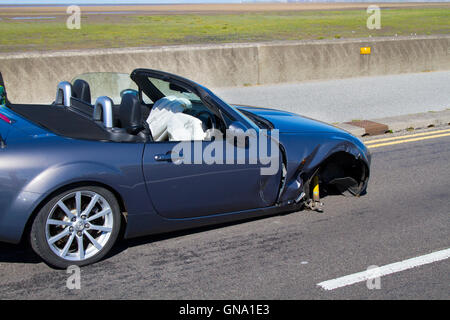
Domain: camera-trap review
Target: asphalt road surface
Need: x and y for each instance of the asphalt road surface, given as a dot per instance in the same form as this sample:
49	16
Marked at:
360	98
404	215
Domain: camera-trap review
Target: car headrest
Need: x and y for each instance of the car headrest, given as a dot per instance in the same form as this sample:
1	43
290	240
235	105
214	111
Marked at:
131	114
81	90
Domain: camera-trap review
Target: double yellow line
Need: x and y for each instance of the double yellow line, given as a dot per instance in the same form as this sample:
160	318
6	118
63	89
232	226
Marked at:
408	138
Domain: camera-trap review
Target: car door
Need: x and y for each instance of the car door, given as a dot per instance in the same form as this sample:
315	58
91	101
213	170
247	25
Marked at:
189	188
181	190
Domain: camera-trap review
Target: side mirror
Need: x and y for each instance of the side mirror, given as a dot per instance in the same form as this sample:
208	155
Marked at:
237	127
238	135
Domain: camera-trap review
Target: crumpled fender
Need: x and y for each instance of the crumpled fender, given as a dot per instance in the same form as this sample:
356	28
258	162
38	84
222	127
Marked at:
306	151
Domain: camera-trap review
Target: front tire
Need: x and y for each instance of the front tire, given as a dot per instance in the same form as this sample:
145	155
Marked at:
76	227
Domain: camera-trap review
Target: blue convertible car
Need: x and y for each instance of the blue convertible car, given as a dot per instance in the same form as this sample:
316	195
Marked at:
153	152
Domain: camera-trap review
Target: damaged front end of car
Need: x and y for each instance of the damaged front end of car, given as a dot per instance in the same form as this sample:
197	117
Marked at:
318	159
325	164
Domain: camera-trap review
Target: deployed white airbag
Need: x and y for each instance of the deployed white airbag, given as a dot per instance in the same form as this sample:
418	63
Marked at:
162	112
183	127
167	121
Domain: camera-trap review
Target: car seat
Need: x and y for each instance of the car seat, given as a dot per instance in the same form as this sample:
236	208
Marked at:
81	91
130	113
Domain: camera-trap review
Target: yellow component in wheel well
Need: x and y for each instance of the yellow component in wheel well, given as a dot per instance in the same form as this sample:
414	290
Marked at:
316	188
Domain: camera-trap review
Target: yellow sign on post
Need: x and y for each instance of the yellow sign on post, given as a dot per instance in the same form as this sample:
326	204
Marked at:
365	50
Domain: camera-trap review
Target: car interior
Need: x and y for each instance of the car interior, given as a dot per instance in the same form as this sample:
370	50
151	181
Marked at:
159	111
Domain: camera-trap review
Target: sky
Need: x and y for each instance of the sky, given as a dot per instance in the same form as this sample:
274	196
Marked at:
65	2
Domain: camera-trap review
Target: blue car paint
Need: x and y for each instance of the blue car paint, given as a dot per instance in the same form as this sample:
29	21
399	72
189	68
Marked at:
41	166
288	122
218	188
36	163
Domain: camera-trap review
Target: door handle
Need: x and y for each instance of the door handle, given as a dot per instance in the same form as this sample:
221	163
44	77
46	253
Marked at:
167	157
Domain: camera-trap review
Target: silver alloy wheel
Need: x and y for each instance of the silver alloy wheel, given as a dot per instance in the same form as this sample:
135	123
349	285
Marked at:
79	225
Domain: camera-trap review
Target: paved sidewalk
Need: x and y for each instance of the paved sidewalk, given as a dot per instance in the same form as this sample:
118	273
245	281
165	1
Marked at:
398	123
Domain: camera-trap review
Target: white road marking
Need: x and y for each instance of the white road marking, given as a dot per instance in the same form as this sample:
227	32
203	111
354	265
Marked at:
385	270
